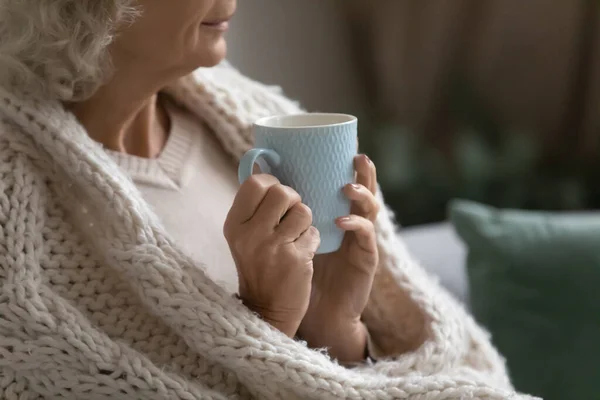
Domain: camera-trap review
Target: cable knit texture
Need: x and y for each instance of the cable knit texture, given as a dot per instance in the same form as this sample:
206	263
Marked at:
97	302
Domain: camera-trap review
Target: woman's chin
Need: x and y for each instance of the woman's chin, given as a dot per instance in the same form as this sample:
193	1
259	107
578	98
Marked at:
213	55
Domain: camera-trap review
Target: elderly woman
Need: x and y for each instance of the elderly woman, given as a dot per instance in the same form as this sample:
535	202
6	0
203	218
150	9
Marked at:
119	138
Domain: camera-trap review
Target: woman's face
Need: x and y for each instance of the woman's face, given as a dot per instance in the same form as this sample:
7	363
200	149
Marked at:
175	35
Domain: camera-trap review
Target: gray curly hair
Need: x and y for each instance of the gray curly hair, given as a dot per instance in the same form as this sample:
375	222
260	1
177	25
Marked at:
58	48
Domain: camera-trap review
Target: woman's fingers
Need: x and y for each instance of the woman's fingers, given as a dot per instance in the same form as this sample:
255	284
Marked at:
364	231
295	222
373	169
261	202
364	202
309	240
362	165
276	203
249	198
366	173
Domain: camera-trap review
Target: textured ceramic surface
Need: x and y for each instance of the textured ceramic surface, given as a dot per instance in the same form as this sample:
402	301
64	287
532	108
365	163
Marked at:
317	161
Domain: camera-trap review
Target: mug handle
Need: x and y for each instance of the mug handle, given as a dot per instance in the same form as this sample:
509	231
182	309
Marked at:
246	167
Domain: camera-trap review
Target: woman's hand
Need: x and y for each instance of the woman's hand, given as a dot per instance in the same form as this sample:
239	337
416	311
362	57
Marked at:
269	232
343	280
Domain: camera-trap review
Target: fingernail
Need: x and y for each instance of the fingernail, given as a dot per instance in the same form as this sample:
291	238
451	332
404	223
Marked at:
367	159
355	186
344	219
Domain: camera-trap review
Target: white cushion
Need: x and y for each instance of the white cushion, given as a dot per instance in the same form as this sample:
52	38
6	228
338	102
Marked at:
441	252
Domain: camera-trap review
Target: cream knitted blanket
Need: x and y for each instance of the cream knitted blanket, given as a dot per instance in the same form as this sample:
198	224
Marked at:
97	302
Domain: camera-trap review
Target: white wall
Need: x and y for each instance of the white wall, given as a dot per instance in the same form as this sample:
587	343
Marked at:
300	45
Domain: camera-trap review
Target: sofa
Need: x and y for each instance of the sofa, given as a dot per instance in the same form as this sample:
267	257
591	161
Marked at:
441	252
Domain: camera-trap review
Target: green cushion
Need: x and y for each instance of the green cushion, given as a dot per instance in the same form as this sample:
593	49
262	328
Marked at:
535	284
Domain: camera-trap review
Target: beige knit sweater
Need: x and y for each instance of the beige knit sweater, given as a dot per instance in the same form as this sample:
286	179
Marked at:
96	302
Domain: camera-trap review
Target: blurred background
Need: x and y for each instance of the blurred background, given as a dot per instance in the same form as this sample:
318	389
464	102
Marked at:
494	101
491	100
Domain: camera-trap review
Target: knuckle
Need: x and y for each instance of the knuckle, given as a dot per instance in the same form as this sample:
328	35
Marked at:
261	181
279	191
312	238
291	194
314	233
254	181
304	211
284	193
363	224
376	208
227	230
315	241
370	227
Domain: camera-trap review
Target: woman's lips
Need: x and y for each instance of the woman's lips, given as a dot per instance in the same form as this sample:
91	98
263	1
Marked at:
220	25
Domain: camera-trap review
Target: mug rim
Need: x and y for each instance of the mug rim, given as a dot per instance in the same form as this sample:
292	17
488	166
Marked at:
269	122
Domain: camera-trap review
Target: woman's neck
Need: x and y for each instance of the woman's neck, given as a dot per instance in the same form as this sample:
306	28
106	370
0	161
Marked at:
126	115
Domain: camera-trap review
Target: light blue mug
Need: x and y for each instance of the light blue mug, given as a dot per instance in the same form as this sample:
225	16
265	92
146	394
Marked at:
313	154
